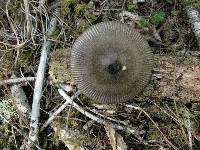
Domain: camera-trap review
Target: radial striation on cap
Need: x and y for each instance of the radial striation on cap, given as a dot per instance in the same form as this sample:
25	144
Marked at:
111	62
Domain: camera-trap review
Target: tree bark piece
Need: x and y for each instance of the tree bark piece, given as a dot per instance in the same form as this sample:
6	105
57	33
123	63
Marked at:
20	102
175	78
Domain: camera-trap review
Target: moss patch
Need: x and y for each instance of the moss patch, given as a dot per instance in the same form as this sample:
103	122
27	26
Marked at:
194	3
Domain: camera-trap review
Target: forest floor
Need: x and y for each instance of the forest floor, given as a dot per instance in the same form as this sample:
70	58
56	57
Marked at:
165	115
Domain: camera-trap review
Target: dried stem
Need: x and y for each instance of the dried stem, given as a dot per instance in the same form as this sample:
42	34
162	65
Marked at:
189	129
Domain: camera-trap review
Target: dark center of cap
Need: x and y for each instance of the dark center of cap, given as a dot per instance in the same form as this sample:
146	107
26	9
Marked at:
115	68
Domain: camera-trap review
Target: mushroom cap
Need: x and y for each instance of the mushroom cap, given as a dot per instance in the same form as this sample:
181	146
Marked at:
111	62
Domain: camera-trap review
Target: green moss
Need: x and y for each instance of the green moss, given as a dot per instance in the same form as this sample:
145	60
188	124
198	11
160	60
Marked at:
92	17
6	61
131	7
157	17
127	133
24	58
7	109
2	143
55	139
173	131
66	4
195	3
175	134
80	8
86	100
81	25
153	134
169	1
143	23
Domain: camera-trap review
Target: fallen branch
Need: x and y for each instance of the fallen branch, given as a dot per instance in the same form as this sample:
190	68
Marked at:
34	128
17	80
65	87
69	101
194	16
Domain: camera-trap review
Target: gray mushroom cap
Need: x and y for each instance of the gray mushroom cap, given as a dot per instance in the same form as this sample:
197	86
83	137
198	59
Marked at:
111	62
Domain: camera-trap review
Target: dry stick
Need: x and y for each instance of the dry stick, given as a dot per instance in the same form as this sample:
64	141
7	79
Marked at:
138	1
93	117
28	19
155	124
17	80
34	128
194	16
189	133
108	118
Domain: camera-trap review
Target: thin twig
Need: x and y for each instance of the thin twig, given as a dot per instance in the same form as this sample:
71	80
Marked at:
28	19
138	1
17	80
93	117
108	118
189	133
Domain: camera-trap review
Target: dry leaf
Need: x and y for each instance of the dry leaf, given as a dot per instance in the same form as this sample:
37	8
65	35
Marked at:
116	140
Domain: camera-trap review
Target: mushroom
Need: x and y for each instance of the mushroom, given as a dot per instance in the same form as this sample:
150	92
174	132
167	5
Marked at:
111	62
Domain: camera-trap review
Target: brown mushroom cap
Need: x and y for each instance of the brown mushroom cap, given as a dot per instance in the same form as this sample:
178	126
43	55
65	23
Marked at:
111	62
